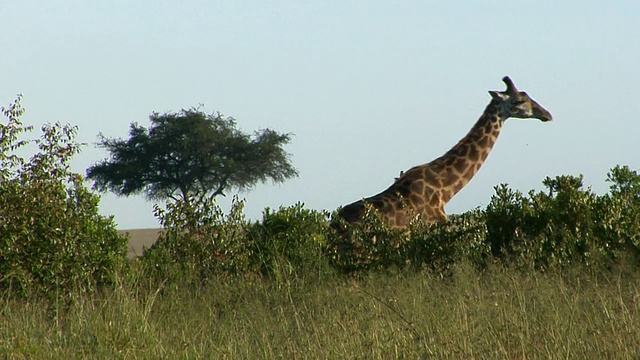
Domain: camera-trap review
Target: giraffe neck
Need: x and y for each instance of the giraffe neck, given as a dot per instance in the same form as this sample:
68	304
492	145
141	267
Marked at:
463	160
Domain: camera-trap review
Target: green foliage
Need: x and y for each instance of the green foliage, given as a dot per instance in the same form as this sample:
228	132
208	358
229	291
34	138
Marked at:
371	244
289	242
190	155
567	224
503	219
52	238
620	210
543	229
199	241
438	246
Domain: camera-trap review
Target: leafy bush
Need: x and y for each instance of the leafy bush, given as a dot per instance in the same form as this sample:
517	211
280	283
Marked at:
289	242
437	246
567	224
619	213
371	244
52	238
543	229
198	242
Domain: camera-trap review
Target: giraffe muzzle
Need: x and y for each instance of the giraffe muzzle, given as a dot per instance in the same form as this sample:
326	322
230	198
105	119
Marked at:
542	114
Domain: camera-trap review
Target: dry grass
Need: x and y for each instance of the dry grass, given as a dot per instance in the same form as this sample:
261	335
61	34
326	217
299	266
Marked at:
494	314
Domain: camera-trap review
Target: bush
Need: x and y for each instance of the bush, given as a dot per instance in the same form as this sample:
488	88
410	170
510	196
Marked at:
619	213
289	242
198	241
567	224
437	246
371	244
52	238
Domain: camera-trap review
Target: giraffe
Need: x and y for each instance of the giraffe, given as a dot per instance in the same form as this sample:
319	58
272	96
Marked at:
424	190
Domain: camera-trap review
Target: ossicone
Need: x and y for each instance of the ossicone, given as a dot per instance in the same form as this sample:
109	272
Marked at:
511	87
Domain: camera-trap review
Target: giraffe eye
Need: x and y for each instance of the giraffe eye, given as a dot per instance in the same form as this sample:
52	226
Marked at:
518	102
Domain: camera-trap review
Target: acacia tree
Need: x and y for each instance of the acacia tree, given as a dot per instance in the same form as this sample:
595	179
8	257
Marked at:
190	155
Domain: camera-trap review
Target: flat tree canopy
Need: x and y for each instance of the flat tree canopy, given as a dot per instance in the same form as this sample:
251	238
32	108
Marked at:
190	155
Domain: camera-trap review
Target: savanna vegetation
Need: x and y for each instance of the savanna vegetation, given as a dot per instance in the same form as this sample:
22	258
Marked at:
543	274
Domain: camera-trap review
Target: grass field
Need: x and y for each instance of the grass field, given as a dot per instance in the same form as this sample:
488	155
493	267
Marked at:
490	314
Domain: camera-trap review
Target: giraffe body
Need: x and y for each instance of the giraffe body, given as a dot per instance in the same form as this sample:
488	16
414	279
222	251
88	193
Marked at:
424	190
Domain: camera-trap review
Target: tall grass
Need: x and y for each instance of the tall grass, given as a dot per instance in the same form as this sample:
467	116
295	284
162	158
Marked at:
493	313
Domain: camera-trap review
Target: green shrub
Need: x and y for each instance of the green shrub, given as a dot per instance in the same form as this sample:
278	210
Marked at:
503	217
565	225
562	224
198	241
371	244
52	238
619	211
289	242
437	246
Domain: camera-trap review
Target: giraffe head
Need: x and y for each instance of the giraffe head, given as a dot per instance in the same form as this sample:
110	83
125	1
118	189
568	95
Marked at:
517	104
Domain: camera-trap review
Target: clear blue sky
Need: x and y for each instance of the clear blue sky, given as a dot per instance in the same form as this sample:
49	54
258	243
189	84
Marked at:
369	88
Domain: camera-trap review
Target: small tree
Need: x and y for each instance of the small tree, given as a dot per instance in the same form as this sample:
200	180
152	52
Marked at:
190	155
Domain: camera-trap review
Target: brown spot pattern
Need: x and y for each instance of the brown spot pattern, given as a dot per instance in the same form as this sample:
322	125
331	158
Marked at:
427	188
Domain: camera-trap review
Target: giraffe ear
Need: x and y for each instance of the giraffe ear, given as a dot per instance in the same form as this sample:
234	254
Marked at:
496	95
